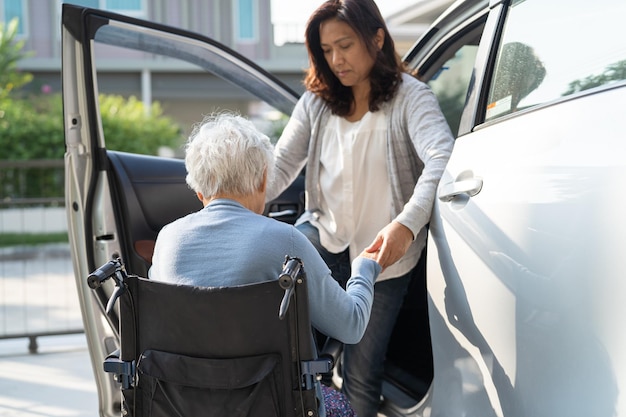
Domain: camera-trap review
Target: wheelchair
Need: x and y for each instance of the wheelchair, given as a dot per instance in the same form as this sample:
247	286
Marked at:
246	350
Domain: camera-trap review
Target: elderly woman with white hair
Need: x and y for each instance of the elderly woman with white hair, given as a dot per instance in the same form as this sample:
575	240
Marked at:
229	242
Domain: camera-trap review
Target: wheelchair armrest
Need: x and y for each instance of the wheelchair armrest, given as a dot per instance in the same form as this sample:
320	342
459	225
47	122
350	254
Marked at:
332	350
123	372
321	368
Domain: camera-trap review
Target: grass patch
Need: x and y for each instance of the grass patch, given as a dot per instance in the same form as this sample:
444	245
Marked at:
14	239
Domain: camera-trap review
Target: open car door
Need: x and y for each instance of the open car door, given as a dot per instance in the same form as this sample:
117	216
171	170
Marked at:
117	202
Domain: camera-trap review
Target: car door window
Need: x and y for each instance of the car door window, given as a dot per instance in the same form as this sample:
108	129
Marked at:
445	59
451	82
179	77
544	55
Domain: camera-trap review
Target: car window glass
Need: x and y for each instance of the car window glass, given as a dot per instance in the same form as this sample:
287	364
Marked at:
451	82
550	50
181	82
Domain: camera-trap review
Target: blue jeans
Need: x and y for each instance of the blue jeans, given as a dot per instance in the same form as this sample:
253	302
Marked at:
363	363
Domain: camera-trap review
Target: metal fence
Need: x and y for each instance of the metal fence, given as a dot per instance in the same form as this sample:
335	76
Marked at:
37	290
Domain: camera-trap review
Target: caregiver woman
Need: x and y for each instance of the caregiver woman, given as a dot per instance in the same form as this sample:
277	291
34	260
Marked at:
375	143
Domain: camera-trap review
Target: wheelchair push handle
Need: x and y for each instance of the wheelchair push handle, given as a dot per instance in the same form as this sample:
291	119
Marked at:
112	269
286	280
106	271
291	269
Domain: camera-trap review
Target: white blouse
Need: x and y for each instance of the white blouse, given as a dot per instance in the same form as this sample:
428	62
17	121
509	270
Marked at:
355	189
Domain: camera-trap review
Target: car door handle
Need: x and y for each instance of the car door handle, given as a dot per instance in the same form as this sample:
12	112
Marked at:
282	213
469	187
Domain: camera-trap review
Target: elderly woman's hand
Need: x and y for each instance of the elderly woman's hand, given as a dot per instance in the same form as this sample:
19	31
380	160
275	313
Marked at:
370	255
391	244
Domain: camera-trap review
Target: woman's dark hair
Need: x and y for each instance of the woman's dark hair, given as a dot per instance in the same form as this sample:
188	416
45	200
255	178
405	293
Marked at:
365	19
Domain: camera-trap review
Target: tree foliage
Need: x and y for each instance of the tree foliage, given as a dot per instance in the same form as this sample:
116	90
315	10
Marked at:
10	53
614	72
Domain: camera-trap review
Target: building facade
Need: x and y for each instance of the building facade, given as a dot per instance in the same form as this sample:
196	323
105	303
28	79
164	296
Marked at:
243	25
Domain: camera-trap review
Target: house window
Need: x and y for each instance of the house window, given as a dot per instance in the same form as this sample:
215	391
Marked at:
14	8
134	8
124	4
246	18
86	3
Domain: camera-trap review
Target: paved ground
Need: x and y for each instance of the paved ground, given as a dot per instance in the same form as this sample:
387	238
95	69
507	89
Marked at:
56	381
37	290
38	294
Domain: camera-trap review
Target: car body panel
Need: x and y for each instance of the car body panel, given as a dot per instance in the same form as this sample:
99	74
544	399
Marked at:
525	299
523	269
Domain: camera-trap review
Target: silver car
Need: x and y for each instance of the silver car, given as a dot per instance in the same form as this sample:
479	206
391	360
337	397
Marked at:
516	310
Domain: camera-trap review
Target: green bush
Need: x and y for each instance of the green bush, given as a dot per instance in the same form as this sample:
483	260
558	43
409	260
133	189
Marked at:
14	239
42	180
129	128
33	128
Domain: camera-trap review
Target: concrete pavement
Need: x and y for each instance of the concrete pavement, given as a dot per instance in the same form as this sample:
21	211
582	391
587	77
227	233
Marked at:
38	295
56	381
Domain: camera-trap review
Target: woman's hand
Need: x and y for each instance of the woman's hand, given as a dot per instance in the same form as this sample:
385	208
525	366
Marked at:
391	243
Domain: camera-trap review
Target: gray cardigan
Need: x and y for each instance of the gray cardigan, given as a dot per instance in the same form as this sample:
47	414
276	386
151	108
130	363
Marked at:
419	145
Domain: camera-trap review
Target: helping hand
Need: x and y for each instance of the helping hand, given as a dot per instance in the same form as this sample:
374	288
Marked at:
390	244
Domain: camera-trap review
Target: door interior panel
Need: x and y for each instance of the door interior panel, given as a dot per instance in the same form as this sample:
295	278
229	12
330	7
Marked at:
288	206
149	192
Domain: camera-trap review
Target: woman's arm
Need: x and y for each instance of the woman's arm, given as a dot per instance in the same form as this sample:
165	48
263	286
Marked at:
419	117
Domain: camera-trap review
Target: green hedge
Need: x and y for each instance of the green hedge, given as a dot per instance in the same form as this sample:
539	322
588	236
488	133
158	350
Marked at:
33	128
127	127
28	239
